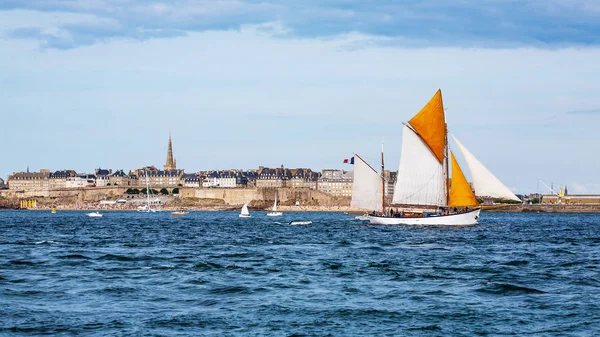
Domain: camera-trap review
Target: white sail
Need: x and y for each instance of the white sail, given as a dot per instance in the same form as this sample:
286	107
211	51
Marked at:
485	182
275	205
421	177
367	190
245	210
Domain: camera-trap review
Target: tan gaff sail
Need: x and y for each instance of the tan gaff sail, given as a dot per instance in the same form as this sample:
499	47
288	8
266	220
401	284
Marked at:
485	182
367	191
430	125
460	191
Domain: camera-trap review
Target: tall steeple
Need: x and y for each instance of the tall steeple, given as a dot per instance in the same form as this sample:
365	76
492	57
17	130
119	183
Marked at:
170	164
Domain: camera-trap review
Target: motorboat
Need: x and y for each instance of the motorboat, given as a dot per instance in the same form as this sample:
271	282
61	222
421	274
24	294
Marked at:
94	214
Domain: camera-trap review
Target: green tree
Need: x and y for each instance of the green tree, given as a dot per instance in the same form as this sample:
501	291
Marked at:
132	191
175	190
164	191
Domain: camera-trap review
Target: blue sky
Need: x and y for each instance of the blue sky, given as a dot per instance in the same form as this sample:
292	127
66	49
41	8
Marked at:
301	83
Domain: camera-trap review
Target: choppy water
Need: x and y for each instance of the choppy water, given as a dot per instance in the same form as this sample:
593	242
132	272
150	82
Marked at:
212	273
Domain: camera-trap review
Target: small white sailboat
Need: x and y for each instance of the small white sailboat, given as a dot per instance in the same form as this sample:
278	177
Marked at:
146	208
244	213
274	211
94	214
423	194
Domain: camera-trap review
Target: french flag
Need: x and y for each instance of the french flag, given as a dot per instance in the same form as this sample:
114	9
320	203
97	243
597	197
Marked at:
351	161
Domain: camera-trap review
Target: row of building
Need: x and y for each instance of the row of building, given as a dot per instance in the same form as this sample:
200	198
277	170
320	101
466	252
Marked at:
334	182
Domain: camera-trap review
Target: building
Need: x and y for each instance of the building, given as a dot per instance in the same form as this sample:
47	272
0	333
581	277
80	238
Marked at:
166	178
336	182
30	181
304	178
58	179
102	177
223	179
76	182
273	178
118	178
171	163
2	184
390	182
190	180
571	199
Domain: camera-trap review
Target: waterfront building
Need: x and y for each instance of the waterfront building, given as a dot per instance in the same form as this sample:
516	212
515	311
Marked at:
58	179
390	182
190	180
304	178
2	184
273	177
118	178
336	182
90	179
158	178
102	177
30	181
76	182
571	199
223	179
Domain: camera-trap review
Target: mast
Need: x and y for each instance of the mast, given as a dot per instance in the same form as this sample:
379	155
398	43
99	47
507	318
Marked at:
147	192
446	164
382	182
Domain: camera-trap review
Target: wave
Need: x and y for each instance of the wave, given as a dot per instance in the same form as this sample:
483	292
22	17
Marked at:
74	256
114	257
231	290
508	289
516	263
45	242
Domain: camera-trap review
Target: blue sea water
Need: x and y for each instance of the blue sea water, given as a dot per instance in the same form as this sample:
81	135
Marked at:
212	273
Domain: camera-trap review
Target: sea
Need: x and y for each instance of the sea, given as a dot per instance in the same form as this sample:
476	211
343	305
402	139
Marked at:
215	274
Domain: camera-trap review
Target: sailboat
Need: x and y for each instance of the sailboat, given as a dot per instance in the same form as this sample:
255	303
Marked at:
244	213
274	211
146	208
423	191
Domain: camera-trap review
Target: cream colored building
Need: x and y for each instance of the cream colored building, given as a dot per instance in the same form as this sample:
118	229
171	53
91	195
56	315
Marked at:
336	182
30	181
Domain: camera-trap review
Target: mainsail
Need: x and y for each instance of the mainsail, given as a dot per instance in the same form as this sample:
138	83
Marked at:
421	177
460	191
485	182
367	191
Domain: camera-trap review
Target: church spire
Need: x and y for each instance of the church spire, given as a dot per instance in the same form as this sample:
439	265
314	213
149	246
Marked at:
170	164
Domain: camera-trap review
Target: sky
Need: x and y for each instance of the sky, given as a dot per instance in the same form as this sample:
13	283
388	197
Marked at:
238	84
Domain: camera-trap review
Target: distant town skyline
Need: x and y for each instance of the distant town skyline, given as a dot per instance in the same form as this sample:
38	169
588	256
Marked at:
304	84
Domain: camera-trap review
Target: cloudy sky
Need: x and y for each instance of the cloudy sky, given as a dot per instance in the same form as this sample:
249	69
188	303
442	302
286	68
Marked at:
90	83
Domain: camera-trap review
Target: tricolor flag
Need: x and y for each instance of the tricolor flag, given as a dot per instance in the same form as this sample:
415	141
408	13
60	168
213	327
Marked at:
351	161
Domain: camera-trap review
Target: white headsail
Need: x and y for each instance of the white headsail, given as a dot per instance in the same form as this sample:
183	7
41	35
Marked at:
367	191
485	182
421	177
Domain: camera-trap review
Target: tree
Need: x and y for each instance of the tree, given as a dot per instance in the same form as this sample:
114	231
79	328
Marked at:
175	190
164	191
132	191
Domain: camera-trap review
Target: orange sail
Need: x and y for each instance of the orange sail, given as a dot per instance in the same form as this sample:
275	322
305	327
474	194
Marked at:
460	191
430	125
